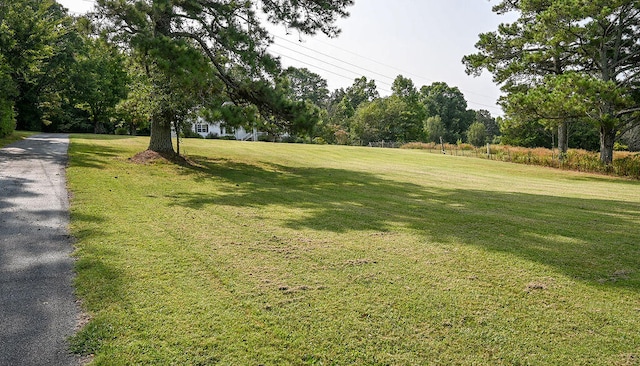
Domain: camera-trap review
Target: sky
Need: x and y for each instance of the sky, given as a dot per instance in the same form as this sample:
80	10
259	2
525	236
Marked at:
423	40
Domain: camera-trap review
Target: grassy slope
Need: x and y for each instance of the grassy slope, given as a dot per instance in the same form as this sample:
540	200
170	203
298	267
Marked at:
296	254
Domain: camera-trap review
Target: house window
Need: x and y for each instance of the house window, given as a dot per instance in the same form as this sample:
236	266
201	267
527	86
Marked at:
202	128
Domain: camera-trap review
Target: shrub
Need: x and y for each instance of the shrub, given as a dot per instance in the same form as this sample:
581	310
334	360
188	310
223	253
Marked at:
628	166
188	133
477	134
122	131
7	118
617	146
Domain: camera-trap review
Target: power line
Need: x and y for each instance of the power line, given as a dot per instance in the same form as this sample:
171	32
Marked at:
327	63
325	70
493	107
331	57
400	70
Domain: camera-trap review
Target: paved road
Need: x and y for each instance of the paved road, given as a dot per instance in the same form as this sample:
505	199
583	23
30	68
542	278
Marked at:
37	306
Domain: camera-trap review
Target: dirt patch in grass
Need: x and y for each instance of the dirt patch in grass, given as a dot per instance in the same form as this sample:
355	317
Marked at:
149	156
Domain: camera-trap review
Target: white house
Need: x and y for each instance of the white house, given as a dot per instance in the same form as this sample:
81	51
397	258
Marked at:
205	128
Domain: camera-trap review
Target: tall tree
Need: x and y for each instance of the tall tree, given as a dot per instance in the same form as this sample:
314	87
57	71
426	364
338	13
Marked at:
37	40
99	81
306	85
233	38
434	129
493	129
361	91
7	91
586	47
450	105
404	88
388	119
477	134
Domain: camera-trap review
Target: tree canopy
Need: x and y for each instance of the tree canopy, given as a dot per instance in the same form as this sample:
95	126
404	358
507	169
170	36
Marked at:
567	60
230	35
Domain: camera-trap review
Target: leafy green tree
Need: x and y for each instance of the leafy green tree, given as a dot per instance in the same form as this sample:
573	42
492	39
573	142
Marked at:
388	119
361	91
581	47
37	40
414	115
335	125
99	82
477	134
525	132
134	112
305	85
434	129
233	39
449	104
7	91
404	88
493	129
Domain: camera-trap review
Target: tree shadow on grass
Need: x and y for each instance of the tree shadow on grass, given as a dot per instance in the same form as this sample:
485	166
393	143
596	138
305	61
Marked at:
85	155
587	239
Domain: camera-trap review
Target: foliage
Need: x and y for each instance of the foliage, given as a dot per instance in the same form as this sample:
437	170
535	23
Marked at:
7	90
99	81
568	60
389	119
491	124
176	36
449	104
434	129
134	111
361	91
38	41
477	134
305	85
525	133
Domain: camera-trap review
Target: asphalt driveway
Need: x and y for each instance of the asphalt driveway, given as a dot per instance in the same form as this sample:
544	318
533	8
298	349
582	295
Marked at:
37	306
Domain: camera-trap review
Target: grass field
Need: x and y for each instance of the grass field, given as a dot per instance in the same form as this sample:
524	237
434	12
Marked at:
277	254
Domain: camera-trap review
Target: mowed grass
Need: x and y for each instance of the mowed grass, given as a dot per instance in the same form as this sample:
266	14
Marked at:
282	254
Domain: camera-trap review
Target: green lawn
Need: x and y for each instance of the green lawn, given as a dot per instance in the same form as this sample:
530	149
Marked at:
276	254
15	136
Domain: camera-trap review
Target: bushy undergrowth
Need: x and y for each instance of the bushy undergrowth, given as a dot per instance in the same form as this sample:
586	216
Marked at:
625	164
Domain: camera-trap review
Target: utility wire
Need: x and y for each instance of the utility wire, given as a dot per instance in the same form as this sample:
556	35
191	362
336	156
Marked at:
396	69
351	71
331	57
326	70
327	63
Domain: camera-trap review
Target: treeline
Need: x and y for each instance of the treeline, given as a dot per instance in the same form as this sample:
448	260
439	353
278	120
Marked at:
358	115
55	74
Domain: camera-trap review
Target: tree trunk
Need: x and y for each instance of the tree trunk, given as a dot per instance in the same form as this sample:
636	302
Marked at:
607	139
160	140
563	139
